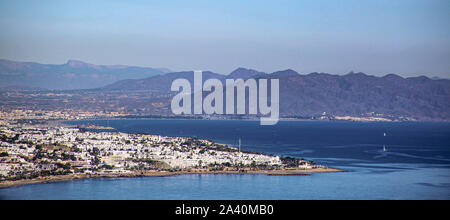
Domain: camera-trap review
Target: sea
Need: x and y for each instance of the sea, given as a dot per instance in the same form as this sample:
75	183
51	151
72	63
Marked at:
381	160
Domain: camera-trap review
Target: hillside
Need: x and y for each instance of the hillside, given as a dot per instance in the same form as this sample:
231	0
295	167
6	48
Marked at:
71	75
352	94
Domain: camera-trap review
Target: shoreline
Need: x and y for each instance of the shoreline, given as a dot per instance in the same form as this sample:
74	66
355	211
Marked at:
240	119
153	172
72	177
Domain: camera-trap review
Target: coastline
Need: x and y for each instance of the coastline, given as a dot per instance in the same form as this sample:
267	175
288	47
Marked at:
233	119
153	173
63	121
177	145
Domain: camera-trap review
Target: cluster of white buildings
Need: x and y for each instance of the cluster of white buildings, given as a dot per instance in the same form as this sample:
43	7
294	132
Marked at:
47	114
32	148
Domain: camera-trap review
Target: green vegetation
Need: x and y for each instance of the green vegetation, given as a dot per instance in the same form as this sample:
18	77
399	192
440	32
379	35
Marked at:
149	164
293	162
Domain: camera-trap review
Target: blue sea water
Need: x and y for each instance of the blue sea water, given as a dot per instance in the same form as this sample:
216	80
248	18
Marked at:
415	165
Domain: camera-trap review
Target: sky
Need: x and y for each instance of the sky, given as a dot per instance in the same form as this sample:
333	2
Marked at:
377	37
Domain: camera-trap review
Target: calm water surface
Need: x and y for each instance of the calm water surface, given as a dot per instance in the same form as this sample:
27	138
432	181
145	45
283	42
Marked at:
416	164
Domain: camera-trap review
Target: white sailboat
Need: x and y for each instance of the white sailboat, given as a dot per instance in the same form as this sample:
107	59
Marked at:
384	146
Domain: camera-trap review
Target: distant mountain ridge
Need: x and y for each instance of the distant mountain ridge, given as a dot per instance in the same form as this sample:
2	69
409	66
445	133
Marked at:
138	90
72	75
244	73
353	94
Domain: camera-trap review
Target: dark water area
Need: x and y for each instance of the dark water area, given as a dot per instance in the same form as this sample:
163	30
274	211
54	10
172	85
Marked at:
411	162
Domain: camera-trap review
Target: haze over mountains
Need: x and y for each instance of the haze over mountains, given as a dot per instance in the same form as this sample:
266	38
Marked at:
354	94
72	75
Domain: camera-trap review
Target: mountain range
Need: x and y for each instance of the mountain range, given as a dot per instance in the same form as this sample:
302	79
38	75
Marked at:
303	96
355	94
72	75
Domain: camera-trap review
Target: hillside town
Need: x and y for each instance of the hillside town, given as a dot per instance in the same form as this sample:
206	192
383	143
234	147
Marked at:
26	114
29	151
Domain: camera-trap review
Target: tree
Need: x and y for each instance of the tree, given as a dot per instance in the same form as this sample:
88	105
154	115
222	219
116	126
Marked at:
96	161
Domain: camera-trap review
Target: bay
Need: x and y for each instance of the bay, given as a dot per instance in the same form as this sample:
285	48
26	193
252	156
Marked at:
415	164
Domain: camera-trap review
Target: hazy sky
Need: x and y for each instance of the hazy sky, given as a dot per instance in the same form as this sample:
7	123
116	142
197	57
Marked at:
407	37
